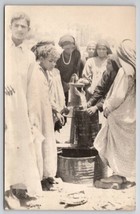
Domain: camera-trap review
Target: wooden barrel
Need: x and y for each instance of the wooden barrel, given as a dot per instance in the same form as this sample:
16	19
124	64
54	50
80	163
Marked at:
87	127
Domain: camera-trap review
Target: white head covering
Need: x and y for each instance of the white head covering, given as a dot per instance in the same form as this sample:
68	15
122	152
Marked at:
127	56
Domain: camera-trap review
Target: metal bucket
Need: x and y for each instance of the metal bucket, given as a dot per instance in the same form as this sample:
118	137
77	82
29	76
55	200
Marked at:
76	170
80	170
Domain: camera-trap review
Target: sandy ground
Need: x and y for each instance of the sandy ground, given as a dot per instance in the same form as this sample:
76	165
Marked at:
97	199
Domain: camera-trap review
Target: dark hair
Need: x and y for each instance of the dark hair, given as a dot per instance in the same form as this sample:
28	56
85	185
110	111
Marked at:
114	64
34	49
106	44
18	16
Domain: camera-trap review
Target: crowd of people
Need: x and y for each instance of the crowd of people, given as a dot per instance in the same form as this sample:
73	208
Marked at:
36	102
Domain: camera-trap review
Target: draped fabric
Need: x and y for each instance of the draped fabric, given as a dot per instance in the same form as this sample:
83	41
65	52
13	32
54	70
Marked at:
56	92
93	71
20	160
116	140
103	86
40	114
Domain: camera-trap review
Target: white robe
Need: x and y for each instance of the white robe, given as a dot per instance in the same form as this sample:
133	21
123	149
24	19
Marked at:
93	71
56	92
116	140
20	160
40	114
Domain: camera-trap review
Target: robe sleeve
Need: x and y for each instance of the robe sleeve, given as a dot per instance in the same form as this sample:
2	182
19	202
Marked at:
102	89
87	72
34	104
118	91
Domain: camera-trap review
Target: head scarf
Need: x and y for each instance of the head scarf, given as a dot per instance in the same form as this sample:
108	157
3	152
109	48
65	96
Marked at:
127	56
103	43
66	40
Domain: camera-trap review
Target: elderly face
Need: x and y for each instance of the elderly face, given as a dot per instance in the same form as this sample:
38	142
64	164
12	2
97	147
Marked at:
19	29
102	51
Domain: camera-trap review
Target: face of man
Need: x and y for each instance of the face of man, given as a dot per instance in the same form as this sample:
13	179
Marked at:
19	29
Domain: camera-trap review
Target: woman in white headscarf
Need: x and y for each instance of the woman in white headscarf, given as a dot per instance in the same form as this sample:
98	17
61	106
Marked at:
116	140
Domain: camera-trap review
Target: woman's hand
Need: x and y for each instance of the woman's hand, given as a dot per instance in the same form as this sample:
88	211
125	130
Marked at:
89	104
92	110
106	112
74	78
9	90
60	118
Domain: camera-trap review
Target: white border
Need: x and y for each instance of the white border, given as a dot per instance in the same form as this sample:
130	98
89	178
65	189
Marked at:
71	2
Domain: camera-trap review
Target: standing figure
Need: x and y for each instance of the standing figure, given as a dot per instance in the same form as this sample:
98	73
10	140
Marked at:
116	140
95	67
21	174
89	51
42	106
69	62
97	99
56	92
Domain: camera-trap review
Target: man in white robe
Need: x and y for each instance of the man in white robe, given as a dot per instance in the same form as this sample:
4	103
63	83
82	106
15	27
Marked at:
20	162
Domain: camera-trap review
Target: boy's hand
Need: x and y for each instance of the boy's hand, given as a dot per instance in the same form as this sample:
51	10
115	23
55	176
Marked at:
60	118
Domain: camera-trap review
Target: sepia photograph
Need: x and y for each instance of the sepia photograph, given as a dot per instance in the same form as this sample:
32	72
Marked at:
69	108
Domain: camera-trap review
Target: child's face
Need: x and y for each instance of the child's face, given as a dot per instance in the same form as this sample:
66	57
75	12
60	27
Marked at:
90	50
19	29
109	65
48	63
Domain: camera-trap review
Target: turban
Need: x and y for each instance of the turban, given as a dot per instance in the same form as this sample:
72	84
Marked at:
127	56
66	40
